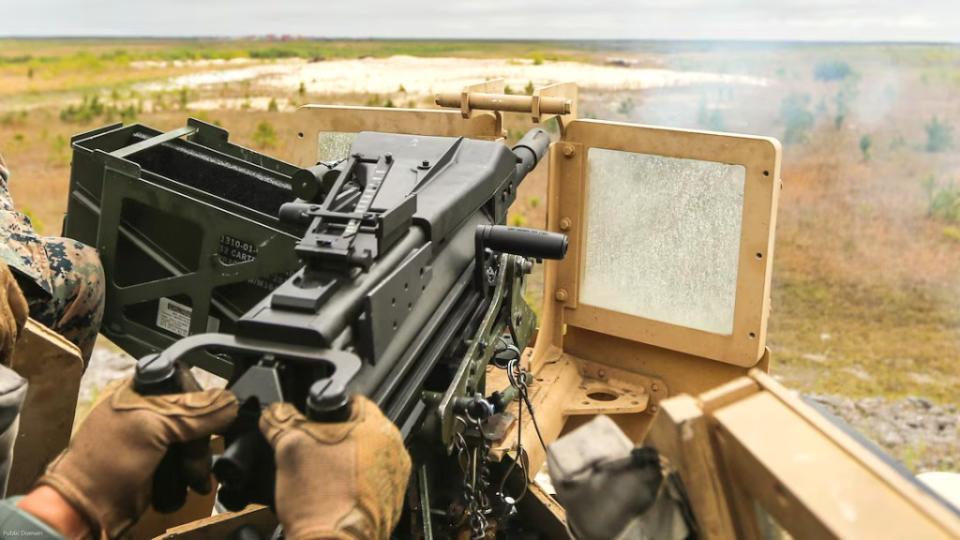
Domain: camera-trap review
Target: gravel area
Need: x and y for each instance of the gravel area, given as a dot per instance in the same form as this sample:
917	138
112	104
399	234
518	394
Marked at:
923	435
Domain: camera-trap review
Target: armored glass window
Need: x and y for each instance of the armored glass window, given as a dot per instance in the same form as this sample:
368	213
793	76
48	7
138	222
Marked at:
663	238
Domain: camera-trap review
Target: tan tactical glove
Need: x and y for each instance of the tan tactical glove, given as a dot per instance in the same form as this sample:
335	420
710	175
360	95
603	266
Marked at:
337	480
13	312
106	472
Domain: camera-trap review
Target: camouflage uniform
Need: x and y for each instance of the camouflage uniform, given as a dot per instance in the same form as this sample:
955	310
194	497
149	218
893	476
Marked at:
61	278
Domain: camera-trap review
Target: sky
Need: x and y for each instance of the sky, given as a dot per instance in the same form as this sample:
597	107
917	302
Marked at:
830	20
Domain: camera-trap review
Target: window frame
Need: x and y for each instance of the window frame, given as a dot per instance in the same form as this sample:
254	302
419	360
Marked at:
760	157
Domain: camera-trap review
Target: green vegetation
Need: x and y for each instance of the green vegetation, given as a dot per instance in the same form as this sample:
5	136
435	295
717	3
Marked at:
832	70
797	118
842	100
529	88
99	54
952	233
87	110
862	339
939	135
13	118
92	107
265	135
866	143
272	105
943	199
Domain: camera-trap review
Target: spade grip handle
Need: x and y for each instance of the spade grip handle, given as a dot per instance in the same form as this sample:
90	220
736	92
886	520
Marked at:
157	375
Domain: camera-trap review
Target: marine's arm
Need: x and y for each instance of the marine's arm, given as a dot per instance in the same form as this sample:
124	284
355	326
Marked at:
89	487
43	513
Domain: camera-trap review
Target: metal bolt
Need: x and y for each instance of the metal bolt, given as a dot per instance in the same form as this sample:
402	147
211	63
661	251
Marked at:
568	150
565	224
561	295
654	387
601	373
654	409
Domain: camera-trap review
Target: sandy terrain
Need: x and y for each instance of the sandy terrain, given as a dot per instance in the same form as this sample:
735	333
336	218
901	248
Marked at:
430	75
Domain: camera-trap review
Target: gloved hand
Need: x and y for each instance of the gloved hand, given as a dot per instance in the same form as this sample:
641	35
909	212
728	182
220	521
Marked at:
13	312
337	480
106	471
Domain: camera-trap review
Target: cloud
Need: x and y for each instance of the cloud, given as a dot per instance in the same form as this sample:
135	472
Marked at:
858	20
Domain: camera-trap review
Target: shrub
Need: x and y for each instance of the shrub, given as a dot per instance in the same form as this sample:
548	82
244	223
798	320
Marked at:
537	58
60	154
265	136
796	116
626	106
518	220
939	135
272	106
832	70
845	95
529	88
943	199
12	118
272	53
534	201
89	108
866	142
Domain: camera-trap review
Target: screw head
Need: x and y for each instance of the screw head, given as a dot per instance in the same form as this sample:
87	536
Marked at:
565	224
655	387
561	295
568	150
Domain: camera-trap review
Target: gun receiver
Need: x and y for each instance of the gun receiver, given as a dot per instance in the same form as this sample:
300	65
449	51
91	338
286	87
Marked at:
409	281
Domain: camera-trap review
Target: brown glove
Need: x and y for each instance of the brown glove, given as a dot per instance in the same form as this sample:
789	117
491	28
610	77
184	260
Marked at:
337	480
106	472
13	313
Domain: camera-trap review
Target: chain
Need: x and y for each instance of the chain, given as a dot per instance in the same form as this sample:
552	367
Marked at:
476	479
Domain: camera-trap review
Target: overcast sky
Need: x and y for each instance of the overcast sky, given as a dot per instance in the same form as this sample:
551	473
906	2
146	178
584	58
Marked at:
857	20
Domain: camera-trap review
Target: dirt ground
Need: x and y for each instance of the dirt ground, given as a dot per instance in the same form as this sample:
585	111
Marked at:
866	299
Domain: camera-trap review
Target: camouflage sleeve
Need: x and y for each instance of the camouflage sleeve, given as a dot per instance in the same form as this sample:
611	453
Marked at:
16	523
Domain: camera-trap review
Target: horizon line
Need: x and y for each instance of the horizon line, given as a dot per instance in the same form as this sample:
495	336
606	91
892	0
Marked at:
298	37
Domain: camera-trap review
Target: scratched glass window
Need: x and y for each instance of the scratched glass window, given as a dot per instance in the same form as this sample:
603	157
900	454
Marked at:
663	238
333	145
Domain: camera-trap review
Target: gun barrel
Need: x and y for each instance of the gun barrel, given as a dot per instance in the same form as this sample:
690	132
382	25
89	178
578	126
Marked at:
530	149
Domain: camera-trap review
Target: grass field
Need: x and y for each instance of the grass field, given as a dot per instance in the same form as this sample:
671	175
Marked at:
866	298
